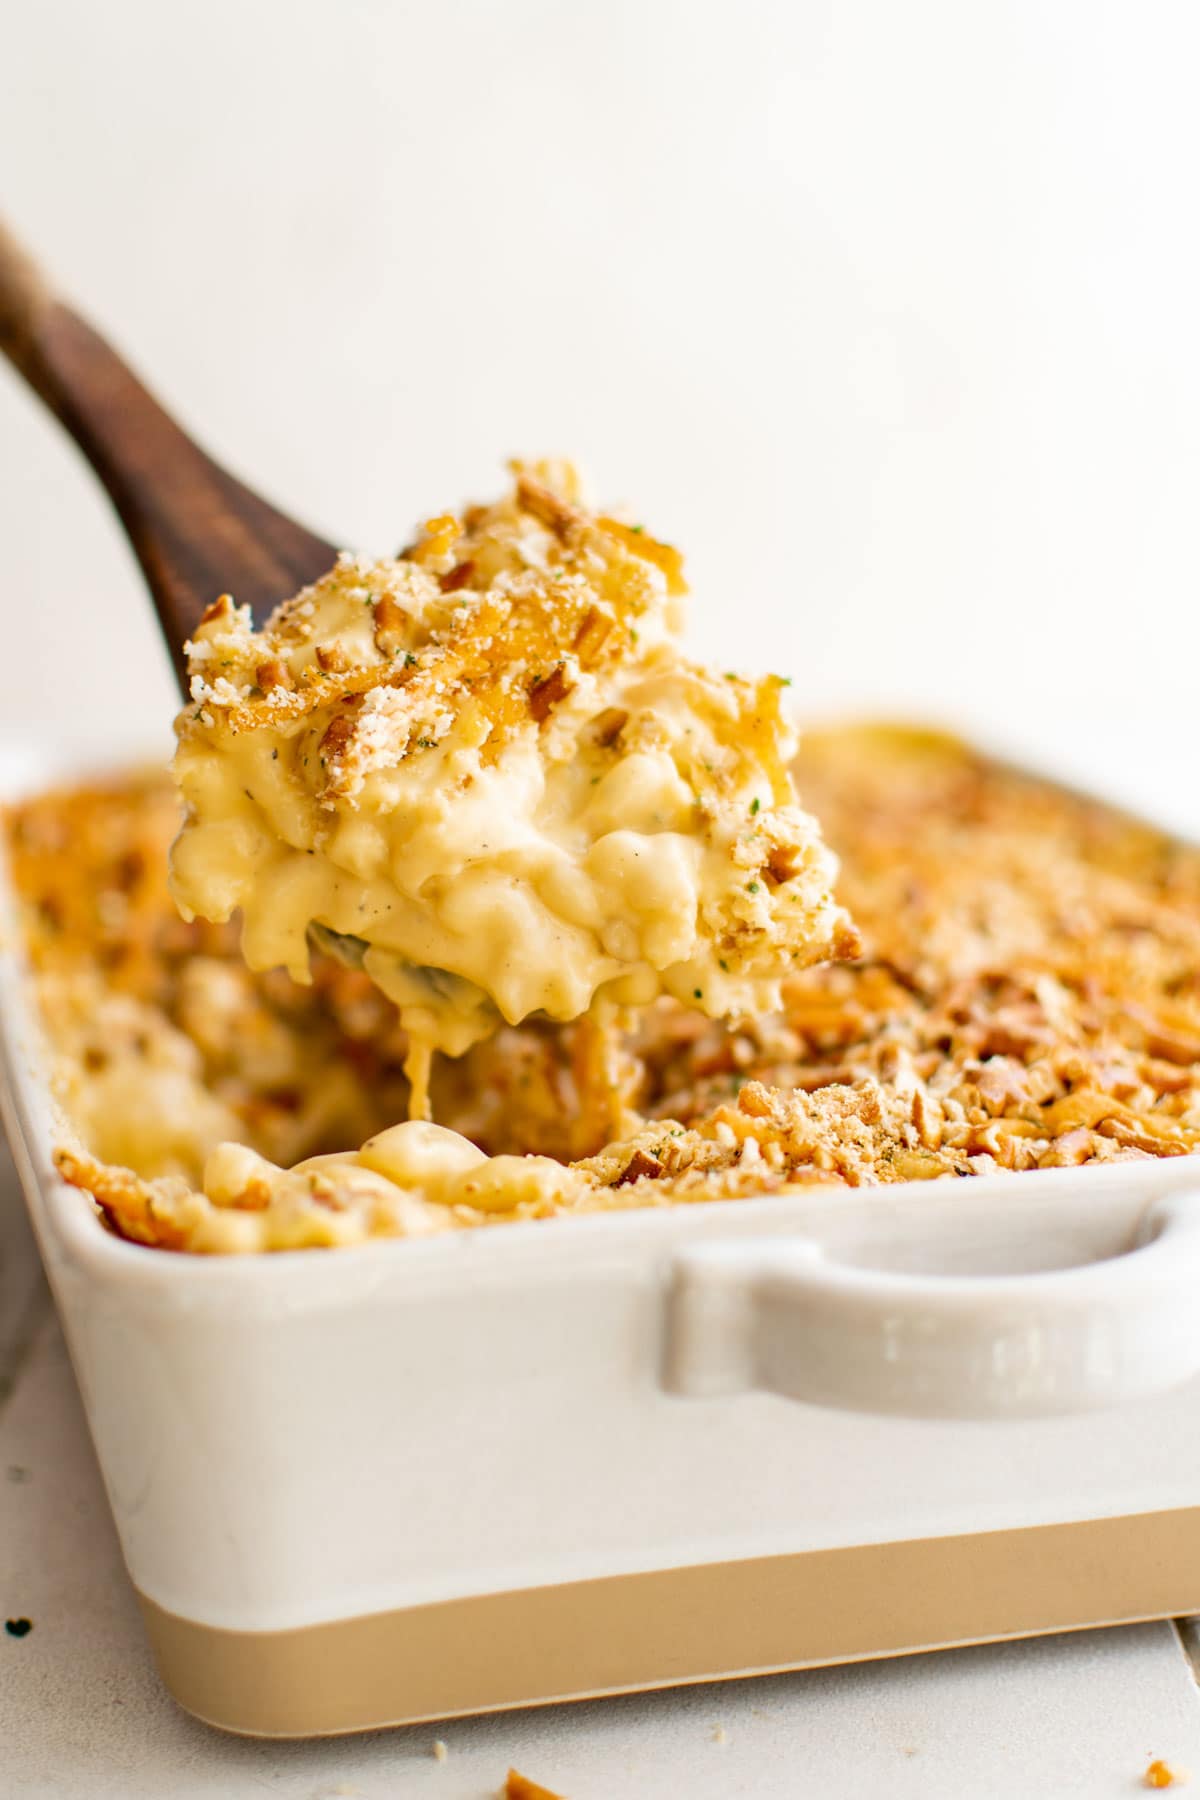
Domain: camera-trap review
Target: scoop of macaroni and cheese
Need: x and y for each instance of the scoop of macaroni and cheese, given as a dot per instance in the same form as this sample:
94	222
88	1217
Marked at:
484	770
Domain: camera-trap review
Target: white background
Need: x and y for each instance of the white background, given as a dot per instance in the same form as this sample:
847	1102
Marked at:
887	314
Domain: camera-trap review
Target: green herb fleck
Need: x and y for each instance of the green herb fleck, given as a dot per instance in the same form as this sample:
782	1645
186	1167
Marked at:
409	659
754	805
638	528
723	964
753	887
697	993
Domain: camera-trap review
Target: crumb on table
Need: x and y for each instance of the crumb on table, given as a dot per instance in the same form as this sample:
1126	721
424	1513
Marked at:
519	1787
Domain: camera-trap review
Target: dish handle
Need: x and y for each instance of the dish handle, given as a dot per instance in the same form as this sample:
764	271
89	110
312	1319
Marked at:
778	1314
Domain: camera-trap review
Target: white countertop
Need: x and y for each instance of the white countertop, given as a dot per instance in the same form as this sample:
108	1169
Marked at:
886	315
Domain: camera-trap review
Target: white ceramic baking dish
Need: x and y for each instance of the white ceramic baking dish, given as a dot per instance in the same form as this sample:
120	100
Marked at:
420	1478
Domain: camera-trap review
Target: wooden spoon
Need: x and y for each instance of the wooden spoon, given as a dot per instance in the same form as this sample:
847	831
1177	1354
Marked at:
196	530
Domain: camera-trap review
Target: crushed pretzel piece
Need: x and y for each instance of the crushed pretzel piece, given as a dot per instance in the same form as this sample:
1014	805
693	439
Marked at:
519	1787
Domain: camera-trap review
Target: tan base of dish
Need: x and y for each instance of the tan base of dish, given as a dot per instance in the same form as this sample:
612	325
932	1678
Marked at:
630	1632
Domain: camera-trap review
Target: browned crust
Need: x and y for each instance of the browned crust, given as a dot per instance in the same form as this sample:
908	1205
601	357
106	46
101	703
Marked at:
132	1206
502	654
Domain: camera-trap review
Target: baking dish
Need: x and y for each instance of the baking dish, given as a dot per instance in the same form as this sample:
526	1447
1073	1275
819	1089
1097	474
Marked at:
483	1470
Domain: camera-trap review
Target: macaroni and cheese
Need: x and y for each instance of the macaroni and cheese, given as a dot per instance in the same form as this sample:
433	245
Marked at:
484	773
1028	997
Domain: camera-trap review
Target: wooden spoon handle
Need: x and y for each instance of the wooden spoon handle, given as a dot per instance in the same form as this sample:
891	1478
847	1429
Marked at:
196	530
